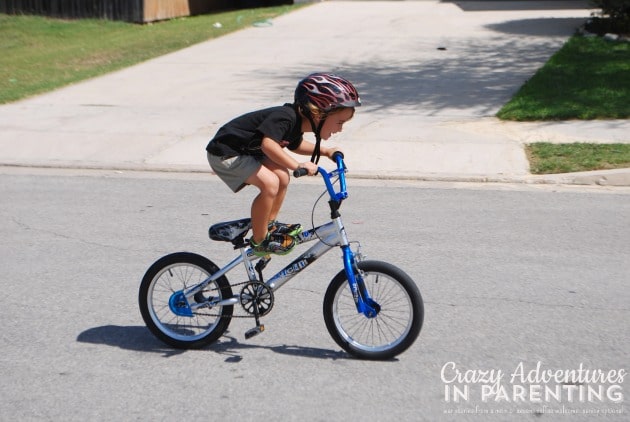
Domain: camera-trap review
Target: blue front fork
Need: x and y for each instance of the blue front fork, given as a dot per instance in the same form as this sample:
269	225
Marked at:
365	304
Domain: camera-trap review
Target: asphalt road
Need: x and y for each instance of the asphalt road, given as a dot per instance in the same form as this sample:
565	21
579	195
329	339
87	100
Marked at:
513	277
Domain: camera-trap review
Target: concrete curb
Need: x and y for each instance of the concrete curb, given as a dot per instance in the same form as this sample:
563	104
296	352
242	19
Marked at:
610	178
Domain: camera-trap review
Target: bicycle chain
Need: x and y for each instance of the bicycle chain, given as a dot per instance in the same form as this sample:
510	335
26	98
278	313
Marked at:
226	316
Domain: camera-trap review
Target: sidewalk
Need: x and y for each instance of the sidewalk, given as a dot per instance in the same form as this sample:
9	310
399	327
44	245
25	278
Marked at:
431	76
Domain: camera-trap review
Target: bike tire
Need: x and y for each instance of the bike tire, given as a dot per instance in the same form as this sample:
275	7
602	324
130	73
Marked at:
397	324
173	273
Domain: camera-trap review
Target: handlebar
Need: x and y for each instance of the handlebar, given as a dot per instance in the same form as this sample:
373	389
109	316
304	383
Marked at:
299	172
340	171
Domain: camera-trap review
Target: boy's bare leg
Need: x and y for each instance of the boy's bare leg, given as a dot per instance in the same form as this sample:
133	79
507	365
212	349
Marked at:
283	180
269	185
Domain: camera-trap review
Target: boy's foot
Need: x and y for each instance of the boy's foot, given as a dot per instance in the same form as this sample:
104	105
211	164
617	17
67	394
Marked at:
282	228
275	243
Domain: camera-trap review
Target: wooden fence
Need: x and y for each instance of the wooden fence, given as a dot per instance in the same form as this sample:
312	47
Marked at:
127	10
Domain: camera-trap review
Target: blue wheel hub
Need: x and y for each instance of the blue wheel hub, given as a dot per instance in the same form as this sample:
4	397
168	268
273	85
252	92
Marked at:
179	305
372	309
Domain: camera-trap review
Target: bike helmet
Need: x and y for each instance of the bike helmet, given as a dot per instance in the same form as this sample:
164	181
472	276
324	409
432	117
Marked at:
325	93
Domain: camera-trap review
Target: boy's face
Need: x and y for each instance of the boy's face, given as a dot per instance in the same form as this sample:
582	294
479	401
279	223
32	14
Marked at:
334	122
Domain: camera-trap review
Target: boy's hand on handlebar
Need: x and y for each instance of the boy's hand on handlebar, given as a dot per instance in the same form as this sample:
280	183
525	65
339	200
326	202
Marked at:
310	167
330	153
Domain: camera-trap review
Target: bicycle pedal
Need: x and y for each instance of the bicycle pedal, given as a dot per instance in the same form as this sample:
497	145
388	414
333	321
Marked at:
254	331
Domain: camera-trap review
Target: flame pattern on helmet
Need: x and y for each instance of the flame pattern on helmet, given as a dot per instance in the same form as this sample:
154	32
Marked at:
327	92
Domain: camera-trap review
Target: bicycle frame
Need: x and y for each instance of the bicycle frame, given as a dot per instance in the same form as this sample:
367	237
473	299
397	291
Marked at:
330	235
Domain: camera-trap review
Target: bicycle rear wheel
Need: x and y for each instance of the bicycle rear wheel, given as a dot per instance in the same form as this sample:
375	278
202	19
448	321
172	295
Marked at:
399	318
164	308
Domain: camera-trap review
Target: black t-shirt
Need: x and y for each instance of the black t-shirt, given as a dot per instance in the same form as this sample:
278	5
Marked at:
243	135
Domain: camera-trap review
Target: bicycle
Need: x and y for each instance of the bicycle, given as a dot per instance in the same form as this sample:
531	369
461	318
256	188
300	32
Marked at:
372	309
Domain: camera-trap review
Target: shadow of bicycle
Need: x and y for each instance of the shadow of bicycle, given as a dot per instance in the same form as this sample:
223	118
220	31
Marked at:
138	338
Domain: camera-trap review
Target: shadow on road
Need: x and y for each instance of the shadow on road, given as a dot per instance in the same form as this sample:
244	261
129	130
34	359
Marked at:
500	5
454	74
138	338
540	27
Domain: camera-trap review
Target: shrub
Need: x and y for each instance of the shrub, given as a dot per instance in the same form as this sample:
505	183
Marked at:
615	17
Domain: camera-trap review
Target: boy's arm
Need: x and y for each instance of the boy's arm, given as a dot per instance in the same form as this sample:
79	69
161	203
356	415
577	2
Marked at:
307	148
275	153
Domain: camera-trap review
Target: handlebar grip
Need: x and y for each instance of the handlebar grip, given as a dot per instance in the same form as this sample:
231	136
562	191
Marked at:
336	154
299	172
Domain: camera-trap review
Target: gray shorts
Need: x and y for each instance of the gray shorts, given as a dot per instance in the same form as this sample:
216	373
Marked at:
234	171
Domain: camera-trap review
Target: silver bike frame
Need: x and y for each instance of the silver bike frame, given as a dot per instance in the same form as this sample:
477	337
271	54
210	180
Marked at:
330	235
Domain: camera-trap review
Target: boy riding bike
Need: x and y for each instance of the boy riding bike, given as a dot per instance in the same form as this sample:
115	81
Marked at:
249	150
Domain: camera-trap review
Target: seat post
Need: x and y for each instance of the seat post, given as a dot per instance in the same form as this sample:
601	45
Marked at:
240	243
248	262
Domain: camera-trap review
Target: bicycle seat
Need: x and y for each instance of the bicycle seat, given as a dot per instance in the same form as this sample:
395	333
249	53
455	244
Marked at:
230	230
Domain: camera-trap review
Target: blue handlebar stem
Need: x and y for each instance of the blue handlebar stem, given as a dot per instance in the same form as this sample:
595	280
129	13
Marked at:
341	172
341	166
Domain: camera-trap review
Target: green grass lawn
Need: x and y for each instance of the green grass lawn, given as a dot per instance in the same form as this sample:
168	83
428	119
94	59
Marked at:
588	78
547	158
39	54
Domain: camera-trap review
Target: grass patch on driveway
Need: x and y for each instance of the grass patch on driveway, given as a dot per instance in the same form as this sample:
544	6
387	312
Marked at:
548	158
588	78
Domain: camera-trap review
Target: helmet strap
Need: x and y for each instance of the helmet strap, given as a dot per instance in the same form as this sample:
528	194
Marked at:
318	138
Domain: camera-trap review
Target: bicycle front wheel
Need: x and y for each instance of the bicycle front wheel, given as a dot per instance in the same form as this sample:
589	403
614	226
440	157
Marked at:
166	311
397	324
